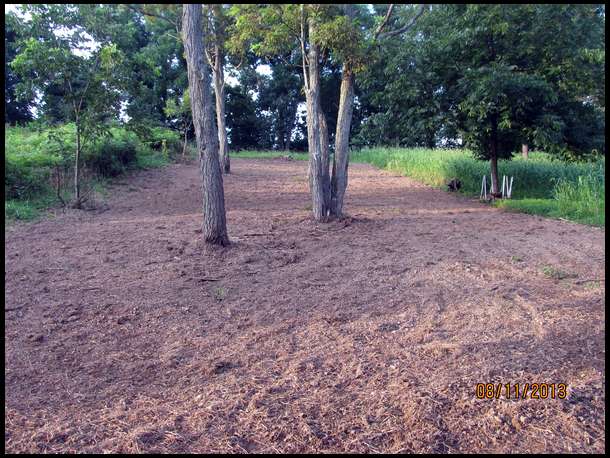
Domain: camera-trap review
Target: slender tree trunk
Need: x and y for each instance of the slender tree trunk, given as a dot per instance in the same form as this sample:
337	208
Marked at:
219	90
214	219
77	196
318	154
493	157
186	130
341	159
493	163
324	147
525	150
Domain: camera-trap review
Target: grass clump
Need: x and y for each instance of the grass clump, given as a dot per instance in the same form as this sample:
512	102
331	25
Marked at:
555	273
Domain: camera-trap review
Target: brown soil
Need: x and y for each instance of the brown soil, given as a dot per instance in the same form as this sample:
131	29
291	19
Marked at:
124	333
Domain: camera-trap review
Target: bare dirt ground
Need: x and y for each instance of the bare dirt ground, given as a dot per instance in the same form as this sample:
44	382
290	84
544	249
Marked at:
124	333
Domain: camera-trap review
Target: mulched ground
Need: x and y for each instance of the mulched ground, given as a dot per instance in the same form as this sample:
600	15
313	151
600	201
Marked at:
124	333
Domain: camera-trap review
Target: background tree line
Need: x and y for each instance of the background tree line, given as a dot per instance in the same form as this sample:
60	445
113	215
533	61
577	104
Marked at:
406	95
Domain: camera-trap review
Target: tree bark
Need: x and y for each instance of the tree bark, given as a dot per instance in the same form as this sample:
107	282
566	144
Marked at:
319	184
493	157
341	159
493	162
219	89
525	150
214	219
77	196
184	144
219	86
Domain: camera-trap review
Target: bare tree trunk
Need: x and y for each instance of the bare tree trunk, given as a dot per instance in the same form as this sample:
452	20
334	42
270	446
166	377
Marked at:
214	218
493	157
493	162
186	131
341	159
77	196
324	147
219	90
525	150
318	154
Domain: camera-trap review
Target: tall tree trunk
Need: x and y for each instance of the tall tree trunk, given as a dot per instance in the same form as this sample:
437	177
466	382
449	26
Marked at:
77	196
214	219
219	90
318	154
341	159
525	150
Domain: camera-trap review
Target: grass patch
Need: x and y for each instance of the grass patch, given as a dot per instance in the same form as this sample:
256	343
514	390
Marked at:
29	209
269	155
542	184
35	154
555	273
543	207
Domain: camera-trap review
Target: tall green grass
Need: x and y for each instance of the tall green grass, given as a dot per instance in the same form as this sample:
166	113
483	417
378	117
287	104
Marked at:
34	155
542	184
585	199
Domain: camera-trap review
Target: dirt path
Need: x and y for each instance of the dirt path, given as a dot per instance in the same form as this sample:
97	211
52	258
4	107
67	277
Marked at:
123	332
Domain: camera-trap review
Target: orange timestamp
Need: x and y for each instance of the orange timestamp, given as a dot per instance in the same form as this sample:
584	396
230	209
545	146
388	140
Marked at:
521	390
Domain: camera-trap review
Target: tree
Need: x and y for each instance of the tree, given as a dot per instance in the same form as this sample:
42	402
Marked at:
328	36
90	96
280	95
244	125
155	68
15	111
218	21
498	106
214	218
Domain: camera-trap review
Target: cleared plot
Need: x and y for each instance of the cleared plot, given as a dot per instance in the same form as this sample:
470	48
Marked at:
124	333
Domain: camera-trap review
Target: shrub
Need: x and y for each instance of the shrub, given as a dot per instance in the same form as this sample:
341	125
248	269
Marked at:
165	140
112	155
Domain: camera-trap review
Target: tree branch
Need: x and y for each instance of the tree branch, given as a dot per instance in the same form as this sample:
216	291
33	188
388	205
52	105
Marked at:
385	21
406	27
305	80
148	13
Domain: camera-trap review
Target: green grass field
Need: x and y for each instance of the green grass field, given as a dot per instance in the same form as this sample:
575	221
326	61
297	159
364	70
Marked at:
542	185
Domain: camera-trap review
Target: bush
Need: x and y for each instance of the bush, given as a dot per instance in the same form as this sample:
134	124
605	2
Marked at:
112	155
28	160
165	140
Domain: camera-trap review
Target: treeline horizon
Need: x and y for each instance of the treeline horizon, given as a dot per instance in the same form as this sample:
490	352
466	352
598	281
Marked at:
401	96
